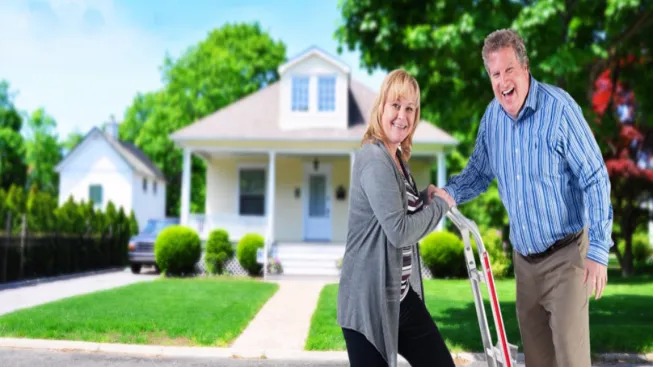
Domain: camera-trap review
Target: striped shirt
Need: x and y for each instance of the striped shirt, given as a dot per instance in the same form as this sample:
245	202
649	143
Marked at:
415	204
551	176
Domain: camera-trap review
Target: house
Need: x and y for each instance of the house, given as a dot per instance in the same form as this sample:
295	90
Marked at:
101	168
279	160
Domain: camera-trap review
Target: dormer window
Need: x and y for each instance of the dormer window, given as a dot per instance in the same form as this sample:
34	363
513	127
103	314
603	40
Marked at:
326	93
300	93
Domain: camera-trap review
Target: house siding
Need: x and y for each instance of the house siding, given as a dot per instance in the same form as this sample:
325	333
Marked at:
222	190
96	162
148	204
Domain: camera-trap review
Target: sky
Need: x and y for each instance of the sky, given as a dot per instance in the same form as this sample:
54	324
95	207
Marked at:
85	60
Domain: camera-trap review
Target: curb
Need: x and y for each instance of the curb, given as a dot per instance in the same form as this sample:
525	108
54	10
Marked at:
37	281
232	353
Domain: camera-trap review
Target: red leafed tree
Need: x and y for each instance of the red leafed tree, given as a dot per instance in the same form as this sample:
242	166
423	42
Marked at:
629	157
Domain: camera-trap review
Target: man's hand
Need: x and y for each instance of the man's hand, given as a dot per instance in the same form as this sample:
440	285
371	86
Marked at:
436	191
597	276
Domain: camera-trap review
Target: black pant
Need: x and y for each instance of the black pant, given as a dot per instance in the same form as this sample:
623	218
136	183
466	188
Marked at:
420	342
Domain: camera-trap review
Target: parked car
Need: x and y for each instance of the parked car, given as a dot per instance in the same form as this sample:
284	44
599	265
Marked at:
141	246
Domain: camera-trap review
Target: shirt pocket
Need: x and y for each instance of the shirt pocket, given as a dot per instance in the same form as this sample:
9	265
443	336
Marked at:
542	160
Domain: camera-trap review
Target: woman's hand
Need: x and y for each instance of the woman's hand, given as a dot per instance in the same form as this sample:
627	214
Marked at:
435	191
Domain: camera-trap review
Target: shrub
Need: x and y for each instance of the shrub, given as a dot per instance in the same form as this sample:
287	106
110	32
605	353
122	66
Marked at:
246	252
443	255
642	250
500	262
218	251
177	250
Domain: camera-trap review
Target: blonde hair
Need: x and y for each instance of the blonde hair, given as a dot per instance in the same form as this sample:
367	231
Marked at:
397	84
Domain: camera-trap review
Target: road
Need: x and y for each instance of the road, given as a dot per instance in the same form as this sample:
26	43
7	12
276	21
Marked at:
38	358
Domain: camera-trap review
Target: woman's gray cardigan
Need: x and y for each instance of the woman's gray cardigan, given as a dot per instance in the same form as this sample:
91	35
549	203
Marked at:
378	228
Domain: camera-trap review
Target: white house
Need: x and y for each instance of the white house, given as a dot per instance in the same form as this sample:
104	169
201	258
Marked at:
279	160
102	168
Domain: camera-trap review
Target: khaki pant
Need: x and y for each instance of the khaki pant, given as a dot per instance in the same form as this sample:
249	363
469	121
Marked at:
552	306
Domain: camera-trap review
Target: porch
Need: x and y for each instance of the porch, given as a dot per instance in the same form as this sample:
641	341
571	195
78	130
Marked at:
297	199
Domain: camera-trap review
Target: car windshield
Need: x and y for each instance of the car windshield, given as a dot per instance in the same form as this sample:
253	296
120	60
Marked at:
156	226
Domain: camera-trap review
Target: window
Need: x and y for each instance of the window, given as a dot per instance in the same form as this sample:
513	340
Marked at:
144	184
95	195
326	92
300	93
154	187
251	200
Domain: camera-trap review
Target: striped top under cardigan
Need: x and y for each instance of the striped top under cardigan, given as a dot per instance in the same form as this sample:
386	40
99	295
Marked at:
415	204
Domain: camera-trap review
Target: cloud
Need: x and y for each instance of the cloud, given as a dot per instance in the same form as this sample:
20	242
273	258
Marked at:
76	58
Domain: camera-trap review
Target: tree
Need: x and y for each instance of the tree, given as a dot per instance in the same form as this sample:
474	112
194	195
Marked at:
231	63
569	42
629	161
73	138
43	152
12	147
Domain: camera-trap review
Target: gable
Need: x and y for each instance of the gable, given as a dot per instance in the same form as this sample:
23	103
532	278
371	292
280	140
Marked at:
94	153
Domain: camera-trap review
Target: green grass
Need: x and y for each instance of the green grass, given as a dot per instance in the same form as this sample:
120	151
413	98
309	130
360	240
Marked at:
210	312
621	321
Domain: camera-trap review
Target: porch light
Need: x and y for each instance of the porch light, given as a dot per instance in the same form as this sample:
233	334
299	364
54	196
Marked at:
316	164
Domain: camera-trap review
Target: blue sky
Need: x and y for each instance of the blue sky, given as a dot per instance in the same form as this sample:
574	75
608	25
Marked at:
83	60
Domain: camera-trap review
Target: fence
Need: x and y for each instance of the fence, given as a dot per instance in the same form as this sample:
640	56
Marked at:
25	255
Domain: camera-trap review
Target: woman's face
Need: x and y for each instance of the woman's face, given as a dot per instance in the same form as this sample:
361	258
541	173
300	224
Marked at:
398	119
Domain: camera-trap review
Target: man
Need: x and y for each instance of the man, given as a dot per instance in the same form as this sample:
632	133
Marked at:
555	187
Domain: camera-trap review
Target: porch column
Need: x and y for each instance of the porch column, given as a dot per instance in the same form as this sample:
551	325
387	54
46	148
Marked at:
185	188
269	210
442	181
352	157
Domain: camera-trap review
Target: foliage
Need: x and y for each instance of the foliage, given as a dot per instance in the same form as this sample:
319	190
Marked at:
443	255
641	248
12	145
573	45
218	251
246	252
133	223
231	63
43	152
177	250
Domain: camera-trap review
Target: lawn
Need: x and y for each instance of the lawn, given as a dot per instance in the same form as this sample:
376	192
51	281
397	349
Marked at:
621	321
210	312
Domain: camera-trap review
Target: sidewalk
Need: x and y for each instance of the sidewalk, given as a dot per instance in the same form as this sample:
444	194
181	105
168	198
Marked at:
37	293
283	322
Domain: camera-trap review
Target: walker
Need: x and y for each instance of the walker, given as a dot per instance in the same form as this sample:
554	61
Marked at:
503	354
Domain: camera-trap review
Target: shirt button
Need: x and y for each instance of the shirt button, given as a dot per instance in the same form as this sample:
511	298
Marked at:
517	177
516	150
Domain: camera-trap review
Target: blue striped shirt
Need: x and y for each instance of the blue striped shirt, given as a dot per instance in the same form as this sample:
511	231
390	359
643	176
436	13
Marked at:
551	176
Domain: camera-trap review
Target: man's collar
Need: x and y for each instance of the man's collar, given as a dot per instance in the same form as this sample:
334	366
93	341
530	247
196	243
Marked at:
530	104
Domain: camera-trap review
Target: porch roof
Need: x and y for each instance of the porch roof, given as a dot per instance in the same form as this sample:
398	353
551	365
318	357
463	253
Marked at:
256	117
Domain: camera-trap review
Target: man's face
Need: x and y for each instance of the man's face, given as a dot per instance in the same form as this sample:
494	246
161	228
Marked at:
510	80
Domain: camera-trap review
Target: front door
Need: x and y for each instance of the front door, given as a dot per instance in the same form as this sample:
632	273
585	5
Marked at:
317	202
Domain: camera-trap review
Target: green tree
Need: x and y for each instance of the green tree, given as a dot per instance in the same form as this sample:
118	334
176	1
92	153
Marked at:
569	43
43	152
12	146
73	138
231	63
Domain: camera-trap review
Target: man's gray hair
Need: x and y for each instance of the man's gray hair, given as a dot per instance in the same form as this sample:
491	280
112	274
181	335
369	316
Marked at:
500	39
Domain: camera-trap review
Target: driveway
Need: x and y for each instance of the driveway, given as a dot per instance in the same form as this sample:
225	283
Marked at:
32	295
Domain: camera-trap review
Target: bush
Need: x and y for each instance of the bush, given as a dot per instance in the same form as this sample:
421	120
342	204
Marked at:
177	250
246	253
443	255
218	251
642	250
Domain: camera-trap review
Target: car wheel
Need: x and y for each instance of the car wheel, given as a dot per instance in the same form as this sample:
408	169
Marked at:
136	268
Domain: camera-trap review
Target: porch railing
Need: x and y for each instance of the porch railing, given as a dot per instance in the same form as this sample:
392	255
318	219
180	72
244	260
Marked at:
237	226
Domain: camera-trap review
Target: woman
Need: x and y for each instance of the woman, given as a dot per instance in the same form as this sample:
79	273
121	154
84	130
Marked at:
380	299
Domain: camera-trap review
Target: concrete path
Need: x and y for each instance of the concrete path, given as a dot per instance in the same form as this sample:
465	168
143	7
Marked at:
283	322
40	293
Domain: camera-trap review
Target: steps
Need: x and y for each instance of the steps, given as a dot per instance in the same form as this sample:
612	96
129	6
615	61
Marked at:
310	258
